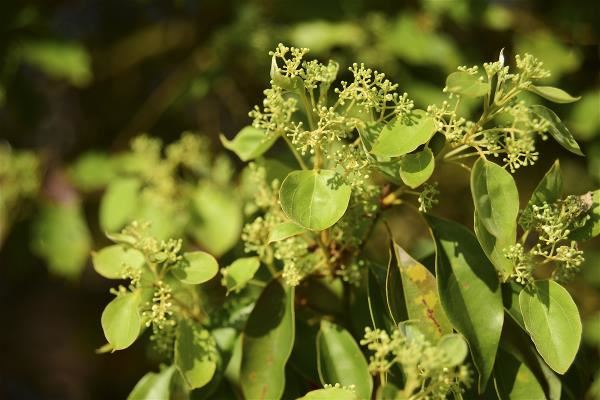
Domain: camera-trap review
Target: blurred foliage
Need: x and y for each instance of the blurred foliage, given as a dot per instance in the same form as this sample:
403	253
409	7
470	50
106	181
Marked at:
79	80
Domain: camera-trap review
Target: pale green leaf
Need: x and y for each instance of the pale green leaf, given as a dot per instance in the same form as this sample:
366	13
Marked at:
195	354
549	189
121	320
552	320
153	386
557	129
403	135
237	275
466	281
332	393
514	380
112	261
421	297
455	348
463	83
119	203
62	237
553	94
196	267
339	360
249	143
285	230
218	218
267	343
496	202
416	168
314	199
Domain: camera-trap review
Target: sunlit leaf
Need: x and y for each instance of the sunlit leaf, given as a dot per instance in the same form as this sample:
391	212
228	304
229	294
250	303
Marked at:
557	129
552	320
405	134
463	83
119	203
332	393
455	347
195	354
314	199
112	261
249	143
340	360
121	320
196	267
553	94
416	168
514	380
237	275
153	386
285	230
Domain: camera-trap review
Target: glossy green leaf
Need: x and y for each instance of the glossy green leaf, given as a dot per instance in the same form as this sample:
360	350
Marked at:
314	199
420	293
553	94
463	83
153	386
416	168
121	320
62	237
467	280
552	320
249	143
455	347
285	230
591	229
196	267
111	261
557	129
218	218
237	275
332	393
496	202
119	203
195	354
549	189
267	343
514	380
340	360
405	134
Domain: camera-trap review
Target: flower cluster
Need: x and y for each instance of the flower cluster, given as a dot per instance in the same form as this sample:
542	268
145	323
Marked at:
428	371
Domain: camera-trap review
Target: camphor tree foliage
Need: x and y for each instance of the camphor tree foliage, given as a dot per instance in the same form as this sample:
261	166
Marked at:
307	306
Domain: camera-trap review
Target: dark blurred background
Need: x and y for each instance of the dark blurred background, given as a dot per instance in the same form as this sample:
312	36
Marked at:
81	76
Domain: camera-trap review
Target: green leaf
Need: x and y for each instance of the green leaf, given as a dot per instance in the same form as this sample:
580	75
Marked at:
339	360
62	237
416	168
466	281
332	393
249	143
285	230
92	171
267	343
388	391
403	135
153	386
557	129
591	229
119	203
549	189
510	298
237	275
496	202
553	94
463	83
121	320
314	199
552	320
380	315
195	354
421	297
455	347
514	380
196	267
218	218
111	261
